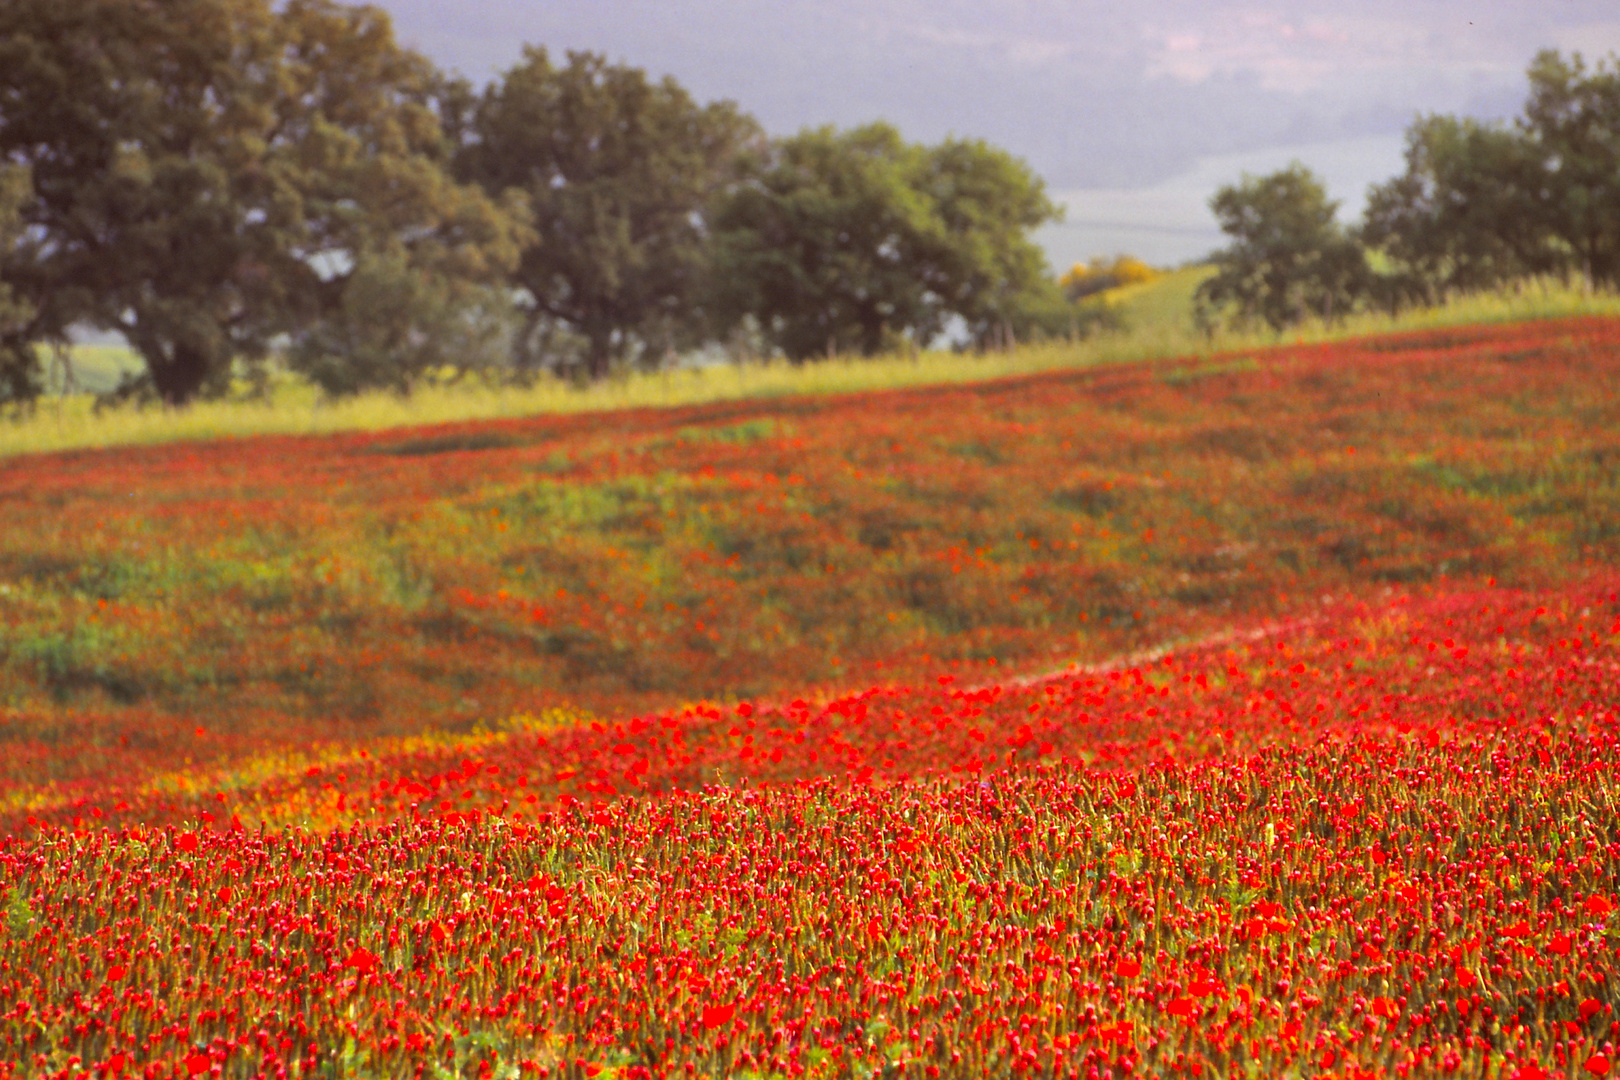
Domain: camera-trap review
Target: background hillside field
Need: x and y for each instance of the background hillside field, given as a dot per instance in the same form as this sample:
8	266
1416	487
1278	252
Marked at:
1153	321
1246	713
295	591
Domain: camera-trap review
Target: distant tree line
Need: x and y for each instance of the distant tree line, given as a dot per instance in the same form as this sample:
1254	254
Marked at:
1478	206
223	181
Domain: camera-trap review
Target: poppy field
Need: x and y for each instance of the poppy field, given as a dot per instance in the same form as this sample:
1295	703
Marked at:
1256	717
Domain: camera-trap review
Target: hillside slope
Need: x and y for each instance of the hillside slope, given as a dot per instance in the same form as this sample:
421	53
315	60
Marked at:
221	602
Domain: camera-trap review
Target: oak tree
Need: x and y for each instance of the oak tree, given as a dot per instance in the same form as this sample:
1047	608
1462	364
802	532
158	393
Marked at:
619	174
990	273
858	241
19	360
824	249
207	174
1571	126
1288	260
1461	217
1480	204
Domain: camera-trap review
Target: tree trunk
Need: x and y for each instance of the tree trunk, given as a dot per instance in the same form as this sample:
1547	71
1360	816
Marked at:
872	326
525	353
180	375
600	355
62	356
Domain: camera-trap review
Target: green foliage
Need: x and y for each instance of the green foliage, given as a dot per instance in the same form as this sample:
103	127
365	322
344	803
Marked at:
19	915
618	172
1572	125
209	173
822	248
20	382
990	274
222	180
1289	260
19	362
1460	218
858	242
1480	204
396	323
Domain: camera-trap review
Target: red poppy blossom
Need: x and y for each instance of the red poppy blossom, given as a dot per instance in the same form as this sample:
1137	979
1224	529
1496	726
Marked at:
715	1015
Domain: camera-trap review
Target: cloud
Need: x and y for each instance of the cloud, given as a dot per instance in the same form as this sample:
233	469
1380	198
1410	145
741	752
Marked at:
1593	40
1010	48
1301	52
1092	92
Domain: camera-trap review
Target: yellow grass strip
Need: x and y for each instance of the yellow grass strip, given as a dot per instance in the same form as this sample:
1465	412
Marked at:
295	408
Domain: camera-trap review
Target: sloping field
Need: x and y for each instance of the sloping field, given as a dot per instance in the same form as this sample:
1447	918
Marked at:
282	593
1247	716
1380	841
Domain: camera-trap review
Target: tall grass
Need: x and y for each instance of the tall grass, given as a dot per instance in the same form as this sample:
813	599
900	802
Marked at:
1156	317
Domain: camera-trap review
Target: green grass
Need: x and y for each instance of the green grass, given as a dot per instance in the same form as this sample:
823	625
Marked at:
97	369
1164	301
1156	317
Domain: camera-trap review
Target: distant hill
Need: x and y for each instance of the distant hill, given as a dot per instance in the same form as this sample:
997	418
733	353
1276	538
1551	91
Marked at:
1166	302
97	368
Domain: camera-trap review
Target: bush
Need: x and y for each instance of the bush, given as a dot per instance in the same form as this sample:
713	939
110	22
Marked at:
1100	275
397	324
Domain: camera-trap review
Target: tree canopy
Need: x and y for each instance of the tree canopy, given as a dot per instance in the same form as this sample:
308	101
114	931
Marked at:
619	173
1460	217
823	247
1478	204
992	276
1571	125
222	181
208	174
853	241
19	365
1289	257
1484	203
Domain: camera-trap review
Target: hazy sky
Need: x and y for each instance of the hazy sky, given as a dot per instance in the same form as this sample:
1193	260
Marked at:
1116	99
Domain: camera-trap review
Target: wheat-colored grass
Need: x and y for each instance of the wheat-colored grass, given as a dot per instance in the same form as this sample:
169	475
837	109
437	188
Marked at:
1157	326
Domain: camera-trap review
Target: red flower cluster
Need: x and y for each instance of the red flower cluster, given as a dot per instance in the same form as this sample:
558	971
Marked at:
1473	665
1378	842
195	607
249	828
